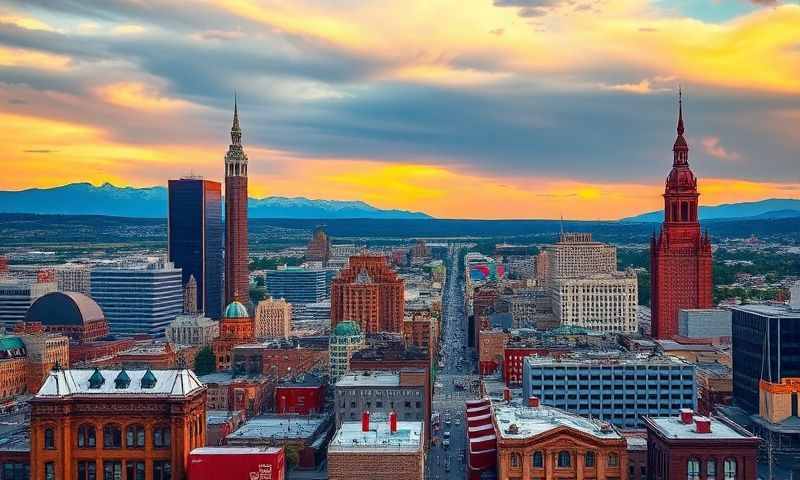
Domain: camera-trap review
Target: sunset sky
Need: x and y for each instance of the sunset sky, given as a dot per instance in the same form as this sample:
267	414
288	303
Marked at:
458	108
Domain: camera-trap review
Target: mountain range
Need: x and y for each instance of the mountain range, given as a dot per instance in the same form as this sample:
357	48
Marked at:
770	209
151	202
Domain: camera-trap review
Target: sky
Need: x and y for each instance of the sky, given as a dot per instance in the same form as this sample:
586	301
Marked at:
458	108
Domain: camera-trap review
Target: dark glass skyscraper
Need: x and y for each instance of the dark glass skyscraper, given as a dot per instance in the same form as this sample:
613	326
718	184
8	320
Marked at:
195	238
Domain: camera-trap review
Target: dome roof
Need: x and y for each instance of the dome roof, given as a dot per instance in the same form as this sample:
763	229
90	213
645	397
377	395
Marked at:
347	329
236	310
64	308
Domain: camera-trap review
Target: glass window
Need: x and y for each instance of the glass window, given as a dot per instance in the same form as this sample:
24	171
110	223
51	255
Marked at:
729	468
134	470
588	459
87	470
162	470
49	439
49	471
161	437
564	459
613	460
538	460
693	469
135	436
711	469
112	470
112	436
86	437
516	460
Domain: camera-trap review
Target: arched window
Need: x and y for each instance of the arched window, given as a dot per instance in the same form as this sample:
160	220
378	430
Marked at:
161	436
134	436
538	460
729	469
693	469
564	459
86	436
49	438
613	460
588	459
112	436
516	460
711	469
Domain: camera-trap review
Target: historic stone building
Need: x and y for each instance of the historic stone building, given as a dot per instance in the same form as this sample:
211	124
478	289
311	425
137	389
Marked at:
680	254
69	313
113	424
195	330
345	339
237	279
601	302
369	293
273	319
236	328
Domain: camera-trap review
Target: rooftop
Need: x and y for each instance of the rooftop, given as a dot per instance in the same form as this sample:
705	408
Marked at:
278	427
73	382
531	422
587	359
673	428
772	310
369	379
350	438
235	450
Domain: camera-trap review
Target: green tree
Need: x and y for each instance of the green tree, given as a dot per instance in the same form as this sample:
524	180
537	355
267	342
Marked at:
204	362
292	455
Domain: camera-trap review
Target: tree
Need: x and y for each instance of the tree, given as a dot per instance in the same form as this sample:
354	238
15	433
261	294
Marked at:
292	455
204	362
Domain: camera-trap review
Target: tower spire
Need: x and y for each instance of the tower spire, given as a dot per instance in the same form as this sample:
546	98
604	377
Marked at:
680	111
236	131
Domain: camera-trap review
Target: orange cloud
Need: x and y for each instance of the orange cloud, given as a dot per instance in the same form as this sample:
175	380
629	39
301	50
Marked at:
17	57
139	96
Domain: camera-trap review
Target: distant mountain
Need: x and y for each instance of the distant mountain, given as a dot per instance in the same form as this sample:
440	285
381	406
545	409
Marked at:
151	202
773	208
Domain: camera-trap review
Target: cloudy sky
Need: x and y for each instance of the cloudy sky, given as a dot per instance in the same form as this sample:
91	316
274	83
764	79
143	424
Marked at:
459	108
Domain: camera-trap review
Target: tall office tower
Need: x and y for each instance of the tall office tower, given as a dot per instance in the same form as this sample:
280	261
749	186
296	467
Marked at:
140	298
195	238
237	283
319	247
273	319
369	293
680	255
297	284
16	297
577	255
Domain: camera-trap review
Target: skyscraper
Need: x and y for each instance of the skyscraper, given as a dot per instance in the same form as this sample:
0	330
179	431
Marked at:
319	247
369	293
680	255
195	238
237	285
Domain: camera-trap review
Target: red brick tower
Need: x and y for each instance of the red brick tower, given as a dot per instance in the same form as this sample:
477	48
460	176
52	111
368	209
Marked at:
680	255
369	293
237	285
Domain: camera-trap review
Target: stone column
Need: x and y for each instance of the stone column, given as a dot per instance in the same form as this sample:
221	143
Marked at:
579	464
548	465
601	460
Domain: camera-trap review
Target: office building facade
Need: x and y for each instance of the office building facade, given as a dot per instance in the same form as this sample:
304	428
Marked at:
298	284
16	297
195	238
600	302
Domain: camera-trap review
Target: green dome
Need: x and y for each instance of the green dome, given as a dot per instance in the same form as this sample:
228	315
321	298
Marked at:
236	310
346	329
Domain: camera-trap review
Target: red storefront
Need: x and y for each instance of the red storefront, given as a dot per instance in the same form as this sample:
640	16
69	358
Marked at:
242	463
299	399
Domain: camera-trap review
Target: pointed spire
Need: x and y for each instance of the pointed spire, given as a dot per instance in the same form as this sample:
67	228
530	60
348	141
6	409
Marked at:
680	111
236	131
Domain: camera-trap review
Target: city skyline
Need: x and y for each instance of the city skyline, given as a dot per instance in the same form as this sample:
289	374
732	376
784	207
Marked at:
477	117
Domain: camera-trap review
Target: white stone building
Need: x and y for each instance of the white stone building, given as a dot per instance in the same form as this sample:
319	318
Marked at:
273	319
600	302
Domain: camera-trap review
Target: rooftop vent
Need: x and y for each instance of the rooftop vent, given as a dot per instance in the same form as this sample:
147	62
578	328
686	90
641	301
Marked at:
96	380
687	414
513	429
533	402
702	425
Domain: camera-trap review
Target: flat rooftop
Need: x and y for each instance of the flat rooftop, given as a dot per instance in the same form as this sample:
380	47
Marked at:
369	379
350	438
278	427
235	451
531	422
772	310
589	360
673	428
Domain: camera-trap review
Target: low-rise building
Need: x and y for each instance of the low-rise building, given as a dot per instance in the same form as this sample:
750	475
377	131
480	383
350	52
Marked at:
278	359
302	395
381	393
377	450
248	394
705	323
197	330
345	339
307	434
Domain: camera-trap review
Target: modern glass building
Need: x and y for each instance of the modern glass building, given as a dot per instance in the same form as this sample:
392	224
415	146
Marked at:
195	238
298	284
617	390
139	299
765	345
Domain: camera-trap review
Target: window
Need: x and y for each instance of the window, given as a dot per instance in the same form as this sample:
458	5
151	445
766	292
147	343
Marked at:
729	467
588	459
613	460
711	469
162	470
112	470
49	471
135	436
87	470
538	460
693	469
86	437
564	459
49	439
161	437
16	471
134	470
112	436
516	460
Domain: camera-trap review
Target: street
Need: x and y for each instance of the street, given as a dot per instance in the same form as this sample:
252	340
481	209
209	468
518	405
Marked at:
455	382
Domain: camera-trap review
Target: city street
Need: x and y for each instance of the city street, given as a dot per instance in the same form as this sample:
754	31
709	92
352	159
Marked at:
455	381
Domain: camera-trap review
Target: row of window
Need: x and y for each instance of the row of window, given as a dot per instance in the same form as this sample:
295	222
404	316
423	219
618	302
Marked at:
728	469
112	437
563	460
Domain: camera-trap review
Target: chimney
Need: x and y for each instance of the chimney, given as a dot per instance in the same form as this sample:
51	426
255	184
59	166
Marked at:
365	421
392	421
533	402
687	414
507	394
702	424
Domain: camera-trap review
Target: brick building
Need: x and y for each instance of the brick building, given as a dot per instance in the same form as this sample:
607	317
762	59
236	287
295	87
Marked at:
236	328
100	423
369	293
491	345
303	395
278	359
699	448
237	273
251	395
422	330
372	450
381	393
44	351
319	247
68	313
273	319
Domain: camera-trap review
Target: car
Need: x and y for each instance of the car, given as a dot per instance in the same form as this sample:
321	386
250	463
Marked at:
446	443
446	434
